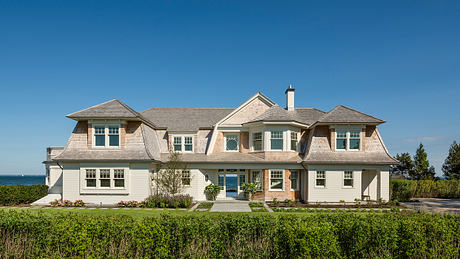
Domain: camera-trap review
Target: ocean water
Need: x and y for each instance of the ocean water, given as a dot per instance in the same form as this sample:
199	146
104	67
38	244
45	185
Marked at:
19	180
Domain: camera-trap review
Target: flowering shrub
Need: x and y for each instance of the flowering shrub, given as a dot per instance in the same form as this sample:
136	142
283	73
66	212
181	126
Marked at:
67	203
130	204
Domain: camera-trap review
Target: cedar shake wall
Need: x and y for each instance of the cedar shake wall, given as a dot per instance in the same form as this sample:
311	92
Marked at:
90	135
244	142
331	139
219	145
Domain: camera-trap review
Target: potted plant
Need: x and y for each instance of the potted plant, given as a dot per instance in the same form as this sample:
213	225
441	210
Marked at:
249	190
212	191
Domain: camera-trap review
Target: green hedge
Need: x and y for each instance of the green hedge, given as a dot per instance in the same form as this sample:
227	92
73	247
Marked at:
403	190
21	194
208	235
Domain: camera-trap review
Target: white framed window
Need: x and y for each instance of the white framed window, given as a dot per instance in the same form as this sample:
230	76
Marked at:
119	178
104	178
106	135
276	140
256	177
186	177
276	180
232	142
294	141
320	179
348	179
90	178
348	140
183	143
221	181
294	180
257	141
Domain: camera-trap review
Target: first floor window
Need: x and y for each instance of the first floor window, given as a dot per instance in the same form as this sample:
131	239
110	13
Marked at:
320	178
294	180
90	178
242	179
104	177
119	177
231	142
348	178
294	141
276	140
177	143
99	136
186	177
221	181
257	141
257	179
276	180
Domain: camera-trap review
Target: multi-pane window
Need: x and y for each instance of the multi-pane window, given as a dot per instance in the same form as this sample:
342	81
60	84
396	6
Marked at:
257	141
321	178
348	178
294	141
188	143
231	142
119	177
104	177
348	140
186	177
221	181
242	179
99	135
90	178
257	179
276	180
276	140
107	136
294	180
183	143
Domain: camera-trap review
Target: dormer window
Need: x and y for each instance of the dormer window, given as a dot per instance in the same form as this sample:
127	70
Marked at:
106	136
232	142
276	140
183	143
348	140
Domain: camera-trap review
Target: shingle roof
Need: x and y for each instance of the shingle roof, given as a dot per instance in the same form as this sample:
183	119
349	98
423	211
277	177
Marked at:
110	109
229	157
185	119
343	114
302	115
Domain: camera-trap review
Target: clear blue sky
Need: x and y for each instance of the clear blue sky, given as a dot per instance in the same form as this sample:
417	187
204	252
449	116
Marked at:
396	60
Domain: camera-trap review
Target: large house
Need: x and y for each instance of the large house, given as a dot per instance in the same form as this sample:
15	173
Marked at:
291	153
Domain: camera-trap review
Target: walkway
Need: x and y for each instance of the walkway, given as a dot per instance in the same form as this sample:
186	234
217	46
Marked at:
231	206
451	206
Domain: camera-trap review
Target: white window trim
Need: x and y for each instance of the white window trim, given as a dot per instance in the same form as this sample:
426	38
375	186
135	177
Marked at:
106	133
298	177
270	180
352	180
98	178
189	178
261	179
283	140
237	134
251	139
289	141
183	143
347	148
325	179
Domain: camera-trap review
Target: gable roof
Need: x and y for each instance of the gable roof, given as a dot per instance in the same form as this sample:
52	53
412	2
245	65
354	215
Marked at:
110	109
343	114
277	113
185	119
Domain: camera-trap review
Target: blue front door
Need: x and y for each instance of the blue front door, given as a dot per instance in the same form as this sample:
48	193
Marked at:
231	185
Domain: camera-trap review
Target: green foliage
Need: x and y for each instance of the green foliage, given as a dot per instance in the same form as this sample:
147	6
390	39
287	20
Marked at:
249	189
21	194
225	235
403	190
205	205
169	179
256	204
67	203
405	165
422	169
451	166
167	201
212	191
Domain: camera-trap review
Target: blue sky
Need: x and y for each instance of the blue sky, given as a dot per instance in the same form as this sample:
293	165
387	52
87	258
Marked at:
396	60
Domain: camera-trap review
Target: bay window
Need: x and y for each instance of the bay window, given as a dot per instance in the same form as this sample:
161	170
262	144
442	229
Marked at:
276	140
294	141
276	180
257	141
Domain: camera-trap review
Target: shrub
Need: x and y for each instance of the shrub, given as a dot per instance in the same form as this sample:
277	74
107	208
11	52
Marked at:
67	203
167	201
249	189
21	194
212	191
403	190
129	204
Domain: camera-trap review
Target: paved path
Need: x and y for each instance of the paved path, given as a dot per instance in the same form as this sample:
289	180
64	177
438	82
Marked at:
231	206
451	206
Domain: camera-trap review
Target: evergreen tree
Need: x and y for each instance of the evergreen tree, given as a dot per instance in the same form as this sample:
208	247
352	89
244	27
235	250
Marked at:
405	166
451	166
421	164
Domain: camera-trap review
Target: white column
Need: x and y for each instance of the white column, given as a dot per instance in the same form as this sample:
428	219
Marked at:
384	184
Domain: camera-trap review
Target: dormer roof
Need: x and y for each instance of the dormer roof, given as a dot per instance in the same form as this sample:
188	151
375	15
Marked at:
276	113
343	114
110	109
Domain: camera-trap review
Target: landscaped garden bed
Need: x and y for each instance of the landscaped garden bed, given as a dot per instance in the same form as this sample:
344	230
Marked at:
257	207
327	205
204	206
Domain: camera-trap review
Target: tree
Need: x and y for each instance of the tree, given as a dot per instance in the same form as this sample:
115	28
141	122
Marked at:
170	180
451	166
421	165
405	166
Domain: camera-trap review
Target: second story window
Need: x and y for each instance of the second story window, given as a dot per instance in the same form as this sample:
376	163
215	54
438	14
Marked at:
231	142
348	140
183	143
106	136
257	141
276	140
294	141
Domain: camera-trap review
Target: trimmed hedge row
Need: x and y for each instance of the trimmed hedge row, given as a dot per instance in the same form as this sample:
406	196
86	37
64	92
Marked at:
21	194
222	235
403	190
